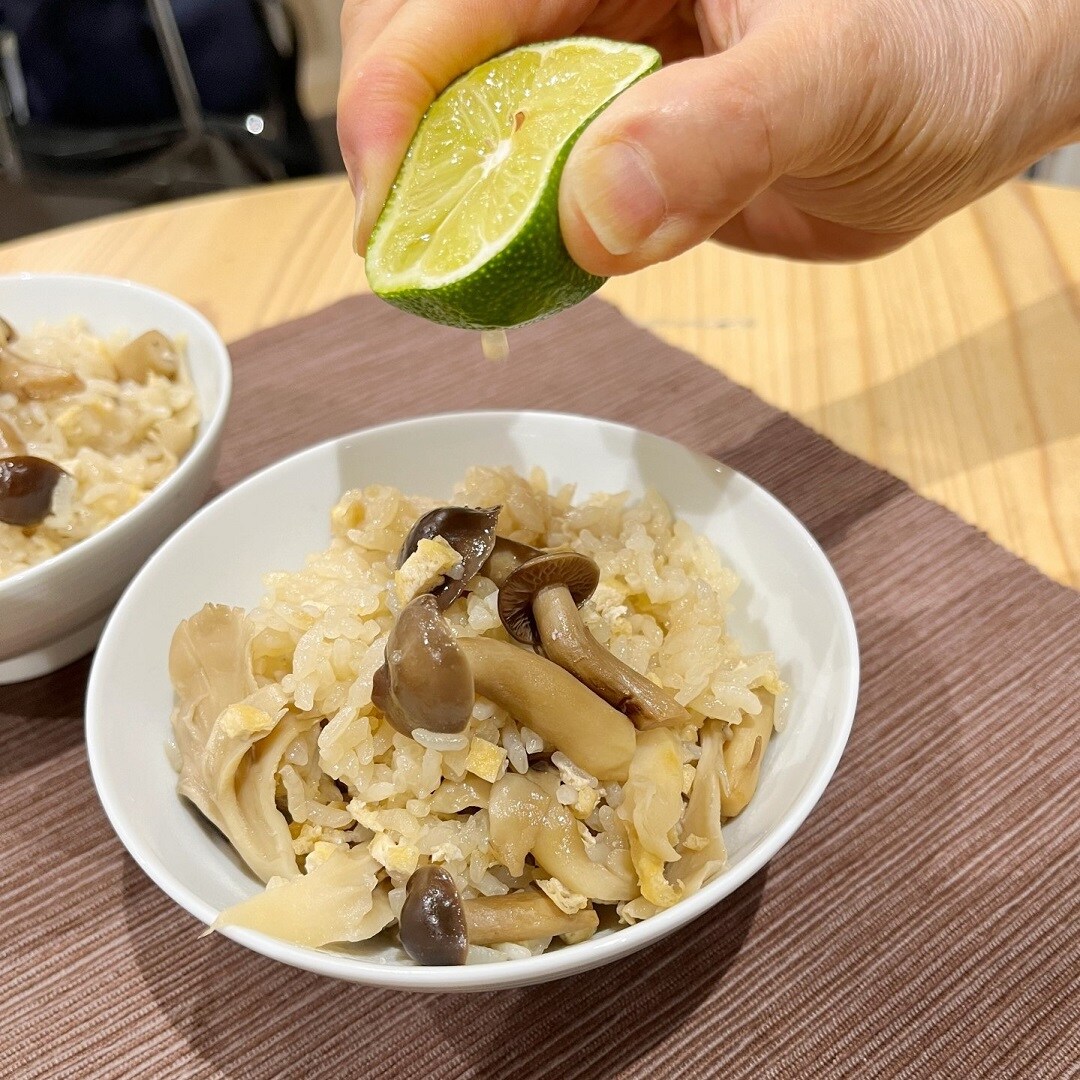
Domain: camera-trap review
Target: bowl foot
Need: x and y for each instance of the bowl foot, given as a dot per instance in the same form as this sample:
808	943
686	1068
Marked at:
51	657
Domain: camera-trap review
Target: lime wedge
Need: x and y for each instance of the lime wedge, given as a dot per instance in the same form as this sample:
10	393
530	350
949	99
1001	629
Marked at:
469	235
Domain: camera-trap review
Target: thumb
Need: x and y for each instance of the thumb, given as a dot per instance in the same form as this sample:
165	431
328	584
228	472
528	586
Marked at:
675	157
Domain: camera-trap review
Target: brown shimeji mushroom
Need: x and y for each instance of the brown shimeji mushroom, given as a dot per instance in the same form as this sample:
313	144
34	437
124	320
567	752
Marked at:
429	678
27	487
539	599
432	921
150	353
470	532
437	926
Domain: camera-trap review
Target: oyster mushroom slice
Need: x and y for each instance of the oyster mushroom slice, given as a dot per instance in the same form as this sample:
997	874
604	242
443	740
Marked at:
429	678
432	924
526	820
742	757
27	487
538	604
470	532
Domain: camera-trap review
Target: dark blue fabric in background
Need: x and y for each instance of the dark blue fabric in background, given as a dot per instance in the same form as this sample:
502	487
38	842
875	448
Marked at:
97	62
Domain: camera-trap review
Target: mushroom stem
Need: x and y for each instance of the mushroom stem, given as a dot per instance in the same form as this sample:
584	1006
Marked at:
522	916
559	708
567	640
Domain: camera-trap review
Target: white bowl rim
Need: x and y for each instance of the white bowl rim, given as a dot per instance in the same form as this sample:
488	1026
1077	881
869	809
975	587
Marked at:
507	973
209	428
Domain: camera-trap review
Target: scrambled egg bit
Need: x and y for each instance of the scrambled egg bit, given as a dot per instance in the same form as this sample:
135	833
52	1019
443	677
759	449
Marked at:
425	568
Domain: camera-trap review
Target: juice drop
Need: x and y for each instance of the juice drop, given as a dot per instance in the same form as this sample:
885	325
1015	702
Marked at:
494	344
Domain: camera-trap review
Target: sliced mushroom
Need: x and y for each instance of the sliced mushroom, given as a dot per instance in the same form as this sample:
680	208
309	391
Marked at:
742	758
524	819
432	923
538	604
27	486
149	354
7	333
470	532
651	808
522	916
31	381
428	680
11	442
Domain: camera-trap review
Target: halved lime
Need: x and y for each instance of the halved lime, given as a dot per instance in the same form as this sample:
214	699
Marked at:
469	235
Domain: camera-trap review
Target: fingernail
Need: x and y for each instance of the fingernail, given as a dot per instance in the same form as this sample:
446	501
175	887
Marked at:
619	196
357	247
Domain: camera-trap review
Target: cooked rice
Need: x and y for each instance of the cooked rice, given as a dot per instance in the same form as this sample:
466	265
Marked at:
318	636
117	438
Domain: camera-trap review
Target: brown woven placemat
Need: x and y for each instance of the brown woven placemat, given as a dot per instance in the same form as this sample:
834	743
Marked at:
925	922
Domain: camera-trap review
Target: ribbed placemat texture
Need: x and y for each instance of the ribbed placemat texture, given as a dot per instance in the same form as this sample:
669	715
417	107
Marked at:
925	922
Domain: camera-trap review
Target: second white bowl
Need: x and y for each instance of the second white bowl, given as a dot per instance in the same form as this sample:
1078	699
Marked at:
53	612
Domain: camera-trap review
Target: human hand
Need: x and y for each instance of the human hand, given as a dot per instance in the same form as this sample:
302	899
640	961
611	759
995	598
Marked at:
809	128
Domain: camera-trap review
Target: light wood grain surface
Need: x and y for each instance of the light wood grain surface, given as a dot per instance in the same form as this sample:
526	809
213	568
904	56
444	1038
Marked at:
954	363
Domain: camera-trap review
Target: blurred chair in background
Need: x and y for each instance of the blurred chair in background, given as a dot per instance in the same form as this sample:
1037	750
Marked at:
135	101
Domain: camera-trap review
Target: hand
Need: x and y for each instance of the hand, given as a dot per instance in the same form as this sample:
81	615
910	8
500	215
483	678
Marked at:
807	128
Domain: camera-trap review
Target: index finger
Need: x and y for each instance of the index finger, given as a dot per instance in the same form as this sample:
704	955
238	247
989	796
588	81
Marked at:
390	75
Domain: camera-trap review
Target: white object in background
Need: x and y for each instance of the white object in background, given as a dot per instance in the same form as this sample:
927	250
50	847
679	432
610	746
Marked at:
53	613
1060	167
790	601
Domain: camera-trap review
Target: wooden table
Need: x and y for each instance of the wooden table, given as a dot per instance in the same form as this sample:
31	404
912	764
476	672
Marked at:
954	363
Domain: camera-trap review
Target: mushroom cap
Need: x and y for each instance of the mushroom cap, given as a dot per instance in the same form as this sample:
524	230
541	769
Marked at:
27	484
149	353
506	556
469	531
578	573
425	680
432	923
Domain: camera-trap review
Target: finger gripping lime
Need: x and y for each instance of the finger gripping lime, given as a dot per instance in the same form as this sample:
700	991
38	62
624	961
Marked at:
469	235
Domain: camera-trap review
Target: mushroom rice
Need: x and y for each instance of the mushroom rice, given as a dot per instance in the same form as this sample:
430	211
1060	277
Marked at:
385	756
88	428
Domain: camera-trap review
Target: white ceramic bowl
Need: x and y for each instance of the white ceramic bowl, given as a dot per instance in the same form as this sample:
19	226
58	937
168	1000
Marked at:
790	601
53	612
